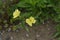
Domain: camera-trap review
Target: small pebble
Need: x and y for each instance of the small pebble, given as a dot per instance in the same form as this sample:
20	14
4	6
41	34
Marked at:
27	35
19	23
43	23
17	30
9	29
2	32
11	38
37	35
48	28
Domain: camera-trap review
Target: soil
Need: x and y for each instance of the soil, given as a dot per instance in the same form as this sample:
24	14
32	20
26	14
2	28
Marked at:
40	32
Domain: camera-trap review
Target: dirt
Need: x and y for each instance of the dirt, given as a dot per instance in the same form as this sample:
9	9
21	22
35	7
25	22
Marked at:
41	32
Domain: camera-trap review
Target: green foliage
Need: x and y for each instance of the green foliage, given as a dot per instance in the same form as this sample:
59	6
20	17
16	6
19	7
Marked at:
0	2
41	9
57	33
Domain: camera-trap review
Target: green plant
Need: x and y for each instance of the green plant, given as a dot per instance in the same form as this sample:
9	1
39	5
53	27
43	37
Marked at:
40	10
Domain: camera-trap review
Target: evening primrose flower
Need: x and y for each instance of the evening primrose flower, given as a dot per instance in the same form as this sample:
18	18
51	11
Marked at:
16	13
31	21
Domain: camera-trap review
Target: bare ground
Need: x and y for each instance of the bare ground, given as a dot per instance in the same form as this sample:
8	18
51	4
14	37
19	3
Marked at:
41	32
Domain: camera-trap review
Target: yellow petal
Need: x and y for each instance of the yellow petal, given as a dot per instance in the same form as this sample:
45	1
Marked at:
32	19
16	13
28	22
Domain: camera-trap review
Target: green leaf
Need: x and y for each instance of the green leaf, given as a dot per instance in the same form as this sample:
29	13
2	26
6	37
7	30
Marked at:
58	27
56	35
0	2
14	28
57	18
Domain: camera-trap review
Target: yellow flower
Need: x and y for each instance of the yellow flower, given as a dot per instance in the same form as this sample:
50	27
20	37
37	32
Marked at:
30	21
16	13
